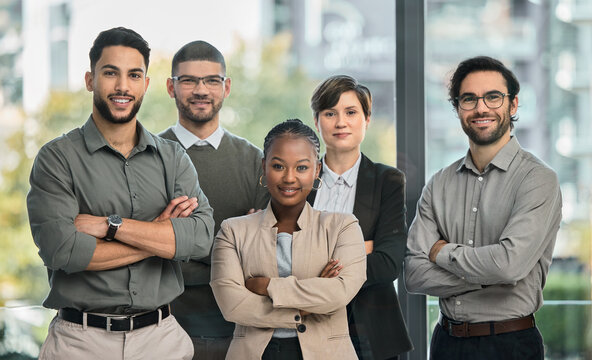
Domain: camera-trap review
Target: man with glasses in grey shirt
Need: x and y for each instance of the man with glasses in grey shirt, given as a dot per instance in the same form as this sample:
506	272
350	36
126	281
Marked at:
113	210
485	228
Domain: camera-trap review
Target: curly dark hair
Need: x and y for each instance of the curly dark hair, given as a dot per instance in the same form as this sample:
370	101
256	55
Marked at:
482	63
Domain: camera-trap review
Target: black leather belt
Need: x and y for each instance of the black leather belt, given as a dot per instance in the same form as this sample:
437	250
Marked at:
115	322
464	329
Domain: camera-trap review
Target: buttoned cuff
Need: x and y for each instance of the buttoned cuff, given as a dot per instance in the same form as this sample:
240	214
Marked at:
444	258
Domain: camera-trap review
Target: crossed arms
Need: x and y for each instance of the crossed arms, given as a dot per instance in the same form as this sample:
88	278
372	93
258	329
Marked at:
445	267
70	241
245	304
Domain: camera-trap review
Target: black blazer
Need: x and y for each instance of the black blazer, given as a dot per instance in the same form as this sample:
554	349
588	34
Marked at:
380	208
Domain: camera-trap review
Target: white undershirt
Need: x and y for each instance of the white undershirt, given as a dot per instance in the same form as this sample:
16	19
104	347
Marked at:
187	138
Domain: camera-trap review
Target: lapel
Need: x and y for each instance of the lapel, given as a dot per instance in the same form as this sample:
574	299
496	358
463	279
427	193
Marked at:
364	200
301	243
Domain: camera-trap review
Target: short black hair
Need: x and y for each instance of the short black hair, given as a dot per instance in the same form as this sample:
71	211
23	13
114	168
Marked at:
118	36
198	51
294	128
482	63
327	94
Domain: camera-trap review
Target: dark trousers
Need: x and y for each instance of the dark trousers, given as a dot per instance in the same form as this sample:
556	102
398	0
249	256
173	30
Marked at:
519	345
282	349
363	350
210	348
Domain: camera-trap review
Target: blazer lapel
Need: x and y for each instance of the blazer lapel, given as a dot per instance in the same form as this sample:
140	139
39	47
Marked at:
364	199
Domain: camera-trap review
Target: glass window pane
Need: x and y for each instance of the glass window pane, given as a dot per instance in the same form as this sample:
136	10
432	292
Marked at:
276	52
547	45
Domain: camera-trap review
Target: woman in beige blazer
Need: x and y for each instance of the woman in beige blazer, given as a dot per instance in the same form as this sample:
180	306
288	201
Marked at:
284	275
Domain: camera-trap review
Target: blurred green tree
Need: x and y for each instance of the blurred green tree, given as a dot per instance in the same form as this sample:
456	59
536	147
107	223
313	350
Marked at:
267	88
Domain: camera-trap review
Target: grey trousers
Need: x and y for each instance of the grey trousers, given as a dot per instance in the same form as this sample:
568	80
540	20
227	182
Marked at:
66	340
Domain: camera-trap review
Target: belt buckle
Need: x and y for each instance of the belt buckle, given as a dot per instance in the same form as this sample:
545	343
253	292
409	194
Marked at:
452	323
131	319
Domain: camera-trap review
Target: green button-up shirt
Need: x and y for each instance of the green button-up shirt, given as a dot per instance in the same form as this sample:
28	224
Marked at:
79	173
501	225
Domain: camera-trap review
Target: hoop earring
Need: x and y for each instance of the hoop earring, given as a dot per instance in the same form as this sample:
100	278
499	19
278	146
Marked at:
320	184
261	181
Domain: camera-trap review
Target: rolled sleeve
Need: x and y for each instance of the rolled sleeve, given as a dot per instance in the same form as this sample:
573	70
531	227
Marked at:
52	208
194	234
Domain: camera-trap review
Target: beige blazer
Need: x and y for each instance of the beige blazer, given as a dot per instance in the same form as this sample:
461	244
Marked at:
246	247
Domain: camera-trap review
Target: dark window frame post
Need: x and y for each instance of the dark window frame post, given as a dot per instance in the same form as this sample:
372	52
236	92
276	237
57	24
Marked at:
410	127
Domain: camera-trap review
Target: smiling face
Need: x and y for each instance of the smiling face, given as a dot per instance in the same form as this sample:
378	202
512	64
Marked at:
118	83
199	104
290	168
485	126
343	126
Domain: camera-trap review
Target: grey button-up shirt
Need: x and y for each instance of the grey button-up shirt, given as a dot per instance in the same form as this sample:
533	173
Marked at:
501	226
79	173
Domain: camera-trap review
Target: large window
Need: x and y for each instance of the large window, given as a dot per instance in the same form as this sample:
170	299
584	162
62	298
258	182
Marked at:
277	51
547	45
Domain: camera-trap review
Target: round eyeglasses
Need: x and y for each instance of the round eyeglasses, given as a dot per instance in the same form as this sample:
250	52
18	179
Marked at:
493	100
212	82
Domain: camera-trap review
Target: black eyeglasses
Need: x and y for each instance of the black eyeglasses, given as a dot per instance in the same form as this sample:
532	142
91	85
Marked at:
212	82
493	100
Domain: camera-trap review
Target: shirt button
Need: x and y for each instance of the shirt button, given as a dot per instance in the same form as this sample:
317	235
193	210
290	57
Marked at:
297	317
480	178
474	209
470	242
457	302
462	277
134	292
126	163
301	328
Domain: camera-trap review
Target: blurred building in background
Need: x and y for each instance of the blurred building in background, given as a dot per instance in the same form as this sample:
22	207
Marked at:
44	48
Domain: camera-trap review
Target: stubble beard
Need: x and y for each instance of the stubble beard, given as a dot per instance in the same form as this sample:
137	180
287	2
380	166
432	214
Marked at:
478	138
198	118
103	108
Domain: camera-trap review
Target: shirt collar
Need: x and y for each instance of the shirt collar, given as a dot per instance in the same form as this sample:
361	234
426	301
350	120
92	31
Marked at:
94	140
502	159
187	138
349	177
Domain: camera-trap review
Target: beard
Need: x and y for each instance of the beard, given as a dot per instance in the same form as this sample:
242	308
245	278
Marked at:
185	110
106	113
480	138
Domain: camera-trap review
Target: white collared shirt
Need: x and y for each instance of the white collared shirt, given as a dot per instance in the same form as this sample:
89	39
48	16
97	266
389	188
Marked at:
338	192
187	138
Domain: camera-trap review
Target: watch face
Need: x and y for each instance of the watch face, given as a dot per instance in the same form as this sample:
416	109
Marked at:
114	220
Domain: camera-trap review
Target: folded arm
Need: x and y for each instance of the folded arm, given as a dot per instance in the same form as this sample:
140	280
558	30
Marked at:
532	226
237	303
326	295
421	275
52	207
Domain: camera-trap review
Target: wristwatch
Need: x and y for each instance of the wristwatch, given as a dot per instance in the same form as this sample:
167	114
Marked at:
114	222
